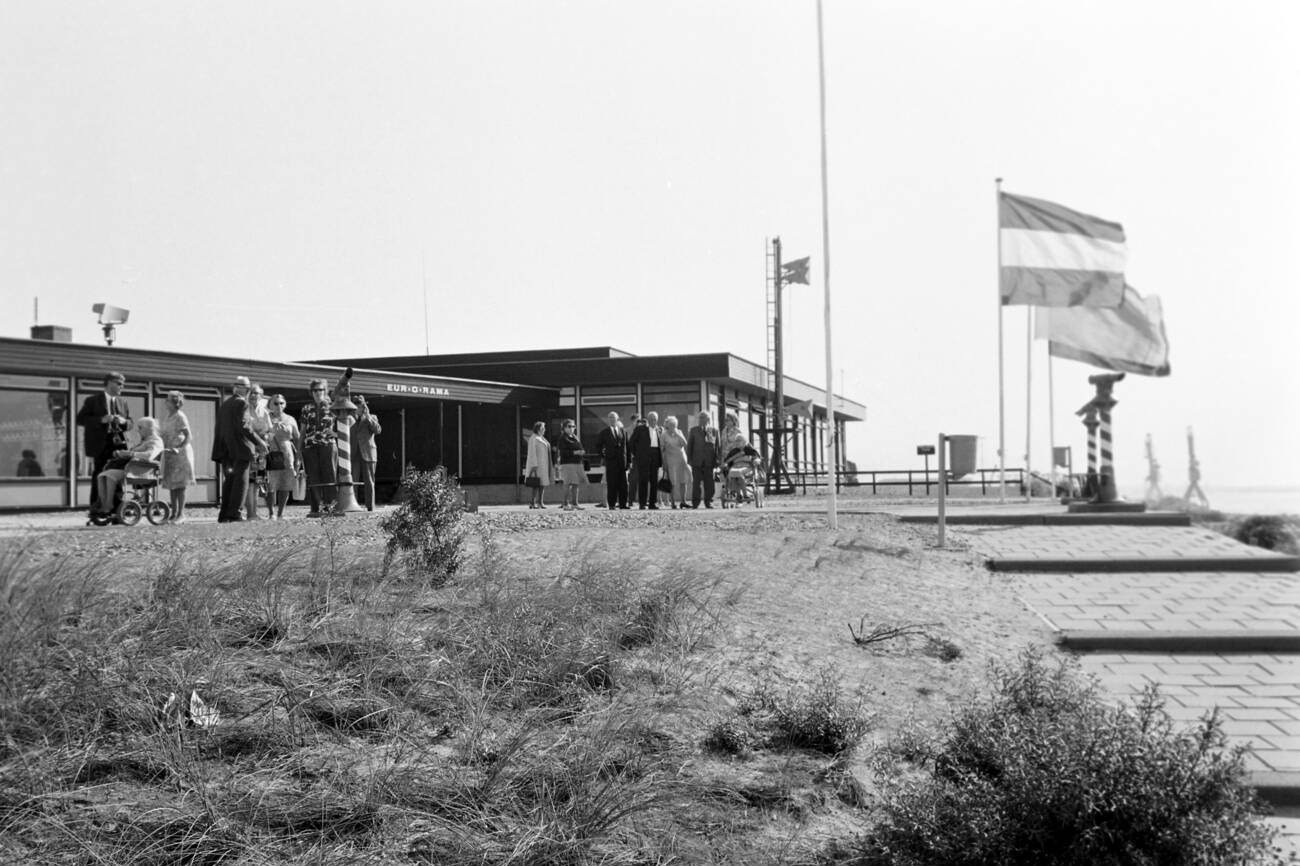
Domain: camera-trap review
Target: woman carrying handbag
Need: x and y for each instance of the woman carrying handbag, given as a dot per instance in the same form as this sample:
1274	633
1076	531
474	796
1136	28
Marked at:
538	467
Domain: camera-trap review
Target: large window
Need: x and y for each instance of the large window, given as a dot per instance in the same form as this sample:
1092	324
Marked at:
599	401
488	443
33	427
679	399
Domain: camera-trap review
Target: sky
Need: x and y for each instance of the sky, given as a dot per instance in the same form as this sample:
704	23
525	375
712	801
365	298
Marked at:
295	180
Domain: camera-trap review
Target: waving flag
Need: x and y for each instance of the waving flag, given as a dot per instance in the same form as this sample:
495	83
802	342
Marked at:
1130	337
1056	257
795	271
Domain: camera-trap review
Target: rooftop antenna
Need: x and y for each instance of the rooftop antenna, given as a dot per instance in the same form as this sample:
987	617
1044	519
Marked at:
110	317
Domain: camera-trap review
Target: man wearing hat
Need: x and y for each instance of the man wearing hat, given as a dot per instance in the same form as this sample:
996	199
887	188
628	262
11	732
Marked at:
364	453
234	447
106	418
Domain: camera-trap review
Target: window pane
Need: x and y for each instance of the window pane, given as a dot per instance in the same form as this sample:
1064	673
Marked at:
202	413
33	434
593	421
488	443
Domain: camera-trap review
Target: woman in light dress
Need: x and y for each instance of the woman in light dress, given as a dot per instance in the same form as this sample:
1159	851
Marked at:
672	445
259	418
286	442
538	464
178	454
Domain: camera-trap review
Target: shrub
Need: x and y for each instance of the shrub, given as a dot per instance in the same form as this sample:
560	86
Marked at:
427	528
1044	771
812	714
1267	531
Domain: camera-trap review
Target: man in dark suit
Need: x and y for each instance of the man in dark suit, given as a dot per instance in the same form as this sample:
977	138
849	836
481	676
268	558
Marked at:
611	445
234	447
646	454
702	455
364	453
106	418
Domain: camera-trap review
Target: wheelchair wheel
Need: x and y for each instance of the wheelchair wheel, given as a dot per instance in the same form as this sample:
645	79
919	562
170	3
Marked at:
158	513
129	513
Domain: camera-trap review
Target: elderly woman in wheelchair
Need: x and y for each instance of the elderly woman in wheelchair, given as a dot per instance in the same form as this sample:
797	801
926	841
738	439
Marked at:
137	466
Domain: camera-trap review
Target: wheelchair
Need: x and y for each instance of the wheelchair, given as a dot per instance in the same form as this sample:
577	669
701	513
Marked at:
136	498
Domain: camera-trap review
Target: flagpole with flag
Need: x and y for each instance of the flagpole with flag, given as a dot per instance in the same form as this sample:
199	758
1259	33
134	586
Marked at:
826	282
1002	401
1050	256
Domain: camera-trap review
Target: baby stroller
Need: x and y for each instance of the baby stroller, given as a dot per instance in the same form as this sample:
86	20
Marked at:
742	478
136	498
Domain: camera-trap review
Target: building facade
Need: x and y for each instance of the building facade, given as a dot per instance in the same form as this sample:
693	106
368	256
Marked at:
471	414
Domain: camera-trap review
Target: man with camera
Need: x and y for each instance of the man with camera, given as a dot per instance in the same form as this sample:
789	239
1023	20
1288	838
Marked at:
106	418
364	453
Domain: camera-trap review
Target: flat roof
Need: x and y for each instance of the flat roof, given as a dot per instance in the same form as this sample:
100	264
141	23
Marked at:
90	360
556	368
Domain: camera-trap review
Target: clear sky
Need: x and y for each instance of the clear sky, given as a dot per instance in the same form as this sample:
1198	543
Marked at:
280	180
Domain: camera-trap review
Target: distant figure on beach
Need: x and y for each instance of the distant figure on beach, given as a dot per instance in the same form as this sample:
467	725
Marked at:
29	466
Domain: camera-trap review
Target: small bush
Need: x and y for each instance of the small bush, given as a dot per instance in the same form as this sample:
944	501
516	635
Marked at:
1267	531
427	528
811	715
1044	771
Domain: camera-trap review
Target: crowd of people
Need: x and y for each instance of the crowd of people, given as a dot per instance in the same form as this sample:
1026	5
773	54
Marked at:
654	464
264	454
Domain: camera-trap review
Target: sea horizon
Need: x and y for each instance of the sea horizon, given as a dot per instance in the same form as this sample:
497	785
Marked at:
1241	498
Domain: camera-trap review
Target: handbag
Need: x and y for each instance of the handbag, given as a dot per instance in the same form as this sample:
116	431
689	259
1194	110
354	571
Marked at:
664	485
274	461
533	479
300	486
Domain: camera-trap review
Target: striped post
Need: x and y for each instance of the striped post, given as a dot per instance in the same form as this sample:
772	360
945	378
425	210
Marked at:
1104	402
1089	413
344	417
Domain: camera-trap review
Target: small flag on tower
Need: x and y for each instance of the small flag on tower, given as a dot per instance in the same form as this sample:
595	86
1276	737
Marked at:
1056	257
795	271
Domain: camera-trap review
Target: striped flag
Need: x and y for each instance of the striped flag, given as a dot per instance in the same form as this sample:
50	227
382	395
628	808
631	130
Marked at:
1130	337
1056	257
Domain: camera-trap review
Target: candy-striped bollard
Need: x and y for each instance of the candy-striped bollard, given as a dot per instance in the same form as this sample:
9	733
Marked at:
1106	489
344	417
1089	413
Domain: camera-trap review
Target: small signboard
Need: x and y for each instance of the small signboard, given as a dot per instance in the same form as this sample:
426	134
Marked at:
924	450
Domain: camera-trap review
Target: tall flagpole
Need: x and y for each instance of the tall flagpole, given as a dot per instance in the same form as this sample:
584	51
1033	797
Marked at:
826	282
1002	402
1051	418
1029	396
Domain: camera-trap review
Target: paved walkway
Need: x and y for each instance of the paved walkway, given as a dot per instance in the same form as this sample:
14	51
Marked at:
1257	694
